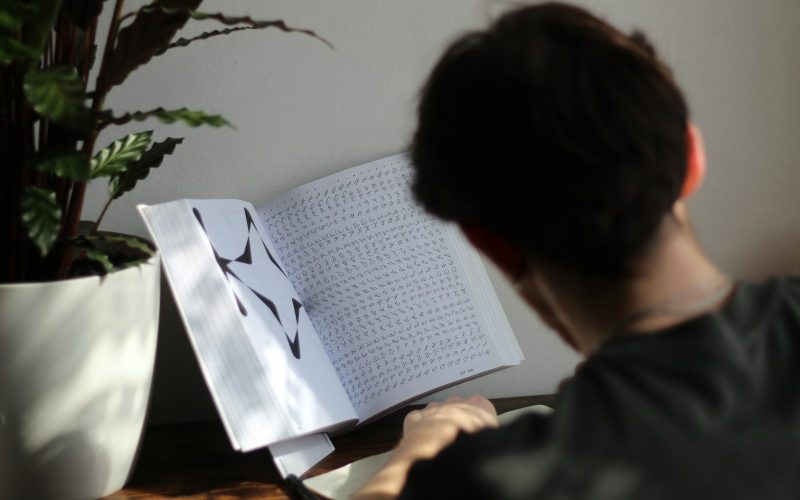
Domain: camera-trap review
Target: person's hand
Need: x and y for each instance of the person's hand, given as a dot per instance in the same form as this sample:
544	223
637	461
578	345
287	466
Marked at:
425	433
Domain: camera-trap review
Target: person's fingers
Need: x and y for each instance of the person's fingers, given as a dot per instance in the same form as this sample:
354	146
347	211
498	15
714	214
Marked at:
412	418
478	417
483	403
468	414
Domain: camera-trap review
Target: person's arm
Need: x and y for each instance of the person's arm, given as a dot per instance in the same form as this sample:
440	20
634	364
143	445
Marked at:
425	433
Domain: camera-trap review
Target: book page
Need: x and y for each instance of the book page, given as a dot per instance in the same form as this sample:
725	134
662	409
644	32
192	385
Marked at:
297	456
386	291
261	358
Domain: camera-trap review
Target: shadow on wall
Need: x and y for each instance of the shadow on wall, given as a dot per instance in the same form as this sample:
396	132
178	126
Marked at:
179	392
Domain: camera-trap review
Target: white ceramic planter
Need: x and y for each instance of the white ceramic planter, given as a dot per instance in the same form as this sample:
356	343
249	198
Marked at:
76	362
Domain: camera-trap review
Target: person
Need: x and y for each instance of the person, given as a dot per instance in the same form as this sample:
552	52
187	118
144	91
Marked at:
564	150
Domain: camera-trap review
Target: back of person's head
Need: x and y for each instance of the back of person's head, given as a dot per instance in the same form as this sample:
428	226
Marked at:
556	131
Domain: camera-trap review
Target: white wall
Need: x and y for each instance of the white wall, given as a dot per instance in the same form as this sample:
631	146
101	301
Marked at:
302	110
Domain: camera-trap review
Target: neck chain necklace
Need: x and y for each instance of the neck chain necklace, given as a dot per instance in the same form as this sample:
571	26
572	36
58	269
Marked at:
685	303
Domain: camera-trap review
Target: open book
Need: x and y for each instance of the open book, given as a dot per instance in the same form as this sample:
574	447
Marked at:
332	304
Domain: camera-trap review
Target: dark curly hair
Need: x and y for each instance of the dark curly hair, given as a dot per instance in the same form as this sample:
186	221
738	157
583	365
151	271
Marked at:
553	129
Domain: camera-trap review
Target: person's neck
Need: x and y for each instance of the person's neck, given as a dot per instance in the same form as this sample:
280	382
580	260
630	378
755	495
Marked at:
673	282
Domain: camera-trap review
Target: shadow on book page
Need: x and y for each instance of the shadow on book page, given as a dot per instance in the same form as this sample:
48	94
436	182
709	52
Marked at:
274	317
269	266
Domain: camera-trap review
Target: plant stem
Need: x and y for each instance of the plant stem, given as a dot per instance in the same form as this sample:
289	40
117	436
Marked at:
100	218
87	51
79	191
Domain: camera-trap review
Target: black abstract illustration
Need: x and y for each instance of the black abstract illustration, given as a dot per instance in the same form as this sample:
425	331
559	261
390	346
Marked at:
246	258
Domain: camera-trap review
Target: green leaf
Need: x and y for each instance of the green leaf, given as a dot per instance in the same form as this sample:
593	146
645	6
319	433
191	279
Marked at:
150	31
133	243
12	50
40	26
57	93
116	157
69	165
191	118
109	251
155	25
27	27
12	15
41	216
246	21
275	23
125	181
101	258
183	42
8	21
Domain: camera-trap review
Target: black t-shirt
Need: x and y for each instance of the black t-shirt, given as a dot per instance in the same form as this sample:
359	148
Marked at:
707	409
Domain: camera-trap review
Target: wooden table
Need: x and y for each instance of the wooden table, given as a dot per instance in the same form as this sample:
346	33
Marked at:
196	460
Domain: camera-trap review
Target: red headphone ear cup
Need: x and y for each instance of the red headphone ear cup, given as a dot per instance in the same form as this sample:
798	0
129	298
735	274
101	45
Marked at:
695	162
692	182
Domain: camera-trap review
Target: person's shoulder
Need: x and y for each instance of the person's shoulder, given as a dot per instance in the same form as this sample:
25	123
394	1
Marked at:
789	286
761	310
761	294
591	405
530	458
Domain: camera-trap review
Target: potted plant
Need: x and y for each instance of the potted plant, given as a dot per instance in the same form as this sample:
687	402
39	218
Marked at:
78	307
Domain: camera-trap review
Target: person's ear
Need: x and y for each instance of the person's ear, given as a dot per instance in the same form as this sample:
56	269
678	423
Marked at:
507	256
695	161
